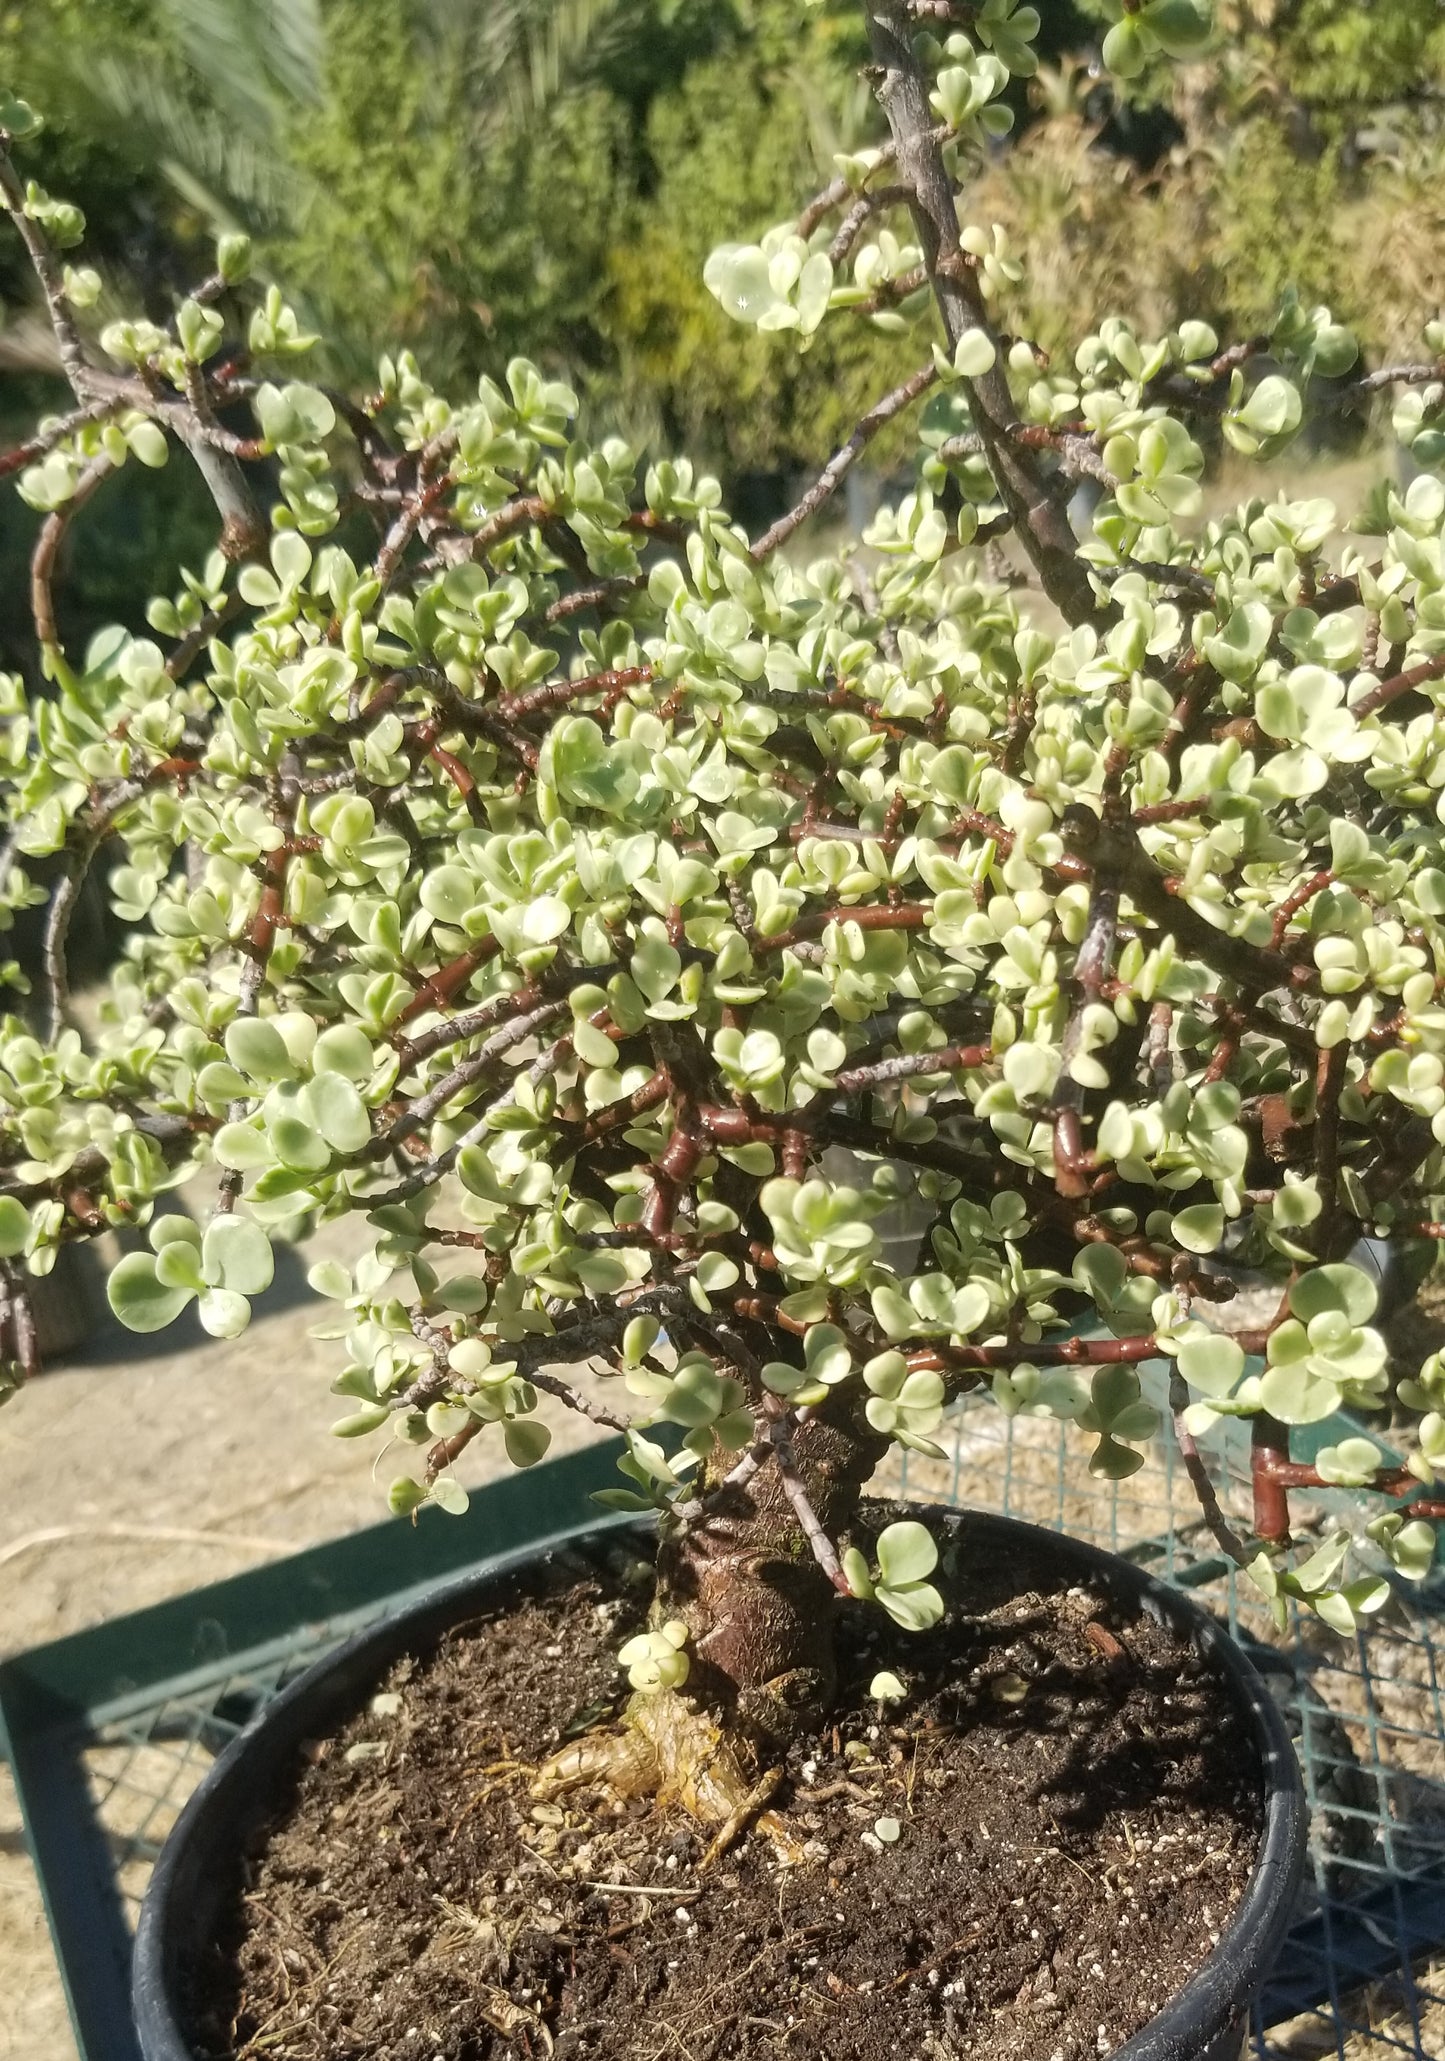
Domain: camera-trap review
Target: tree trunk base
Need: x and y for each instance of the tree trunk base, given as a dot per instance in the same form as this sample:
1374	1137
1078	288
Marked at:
669	1750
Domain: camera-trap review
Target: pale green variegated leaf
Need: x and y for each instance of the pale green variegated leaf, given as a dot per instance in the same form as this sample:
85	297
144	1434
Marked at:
139	1299
236	1255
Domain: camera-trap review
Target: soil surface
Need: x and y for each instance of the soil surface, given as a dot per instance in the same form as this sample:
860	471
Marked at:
1021	1862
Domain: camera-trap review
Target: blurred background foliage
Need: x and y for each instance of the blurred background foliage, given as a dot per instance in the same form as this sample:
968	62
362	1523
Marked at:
1308	149
474	178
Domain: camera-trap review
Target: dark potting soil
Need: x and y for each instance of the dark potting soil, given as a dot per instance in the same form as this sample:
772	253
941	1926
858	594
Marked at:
1022	1862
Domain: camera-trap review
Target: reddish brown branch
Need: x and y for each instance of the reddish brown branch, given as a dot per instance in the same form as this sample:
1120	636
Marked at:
414	511
1172	811
1381	695
270	908
520	514
617	1115
462	781
673	1171
21	455
1295	900
1269	1451
558	693
604	597
1330	1076
47	549
872	916
1062	1352
447	1451
1386	1481
438	988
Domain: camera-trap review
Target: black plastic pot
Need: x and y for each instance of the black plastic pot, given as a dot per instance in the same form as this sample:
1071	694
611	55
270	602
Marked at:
196	1873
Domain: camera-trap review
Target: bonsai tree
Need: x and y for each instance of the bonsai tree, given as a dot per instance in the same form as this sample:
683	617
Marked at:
635	922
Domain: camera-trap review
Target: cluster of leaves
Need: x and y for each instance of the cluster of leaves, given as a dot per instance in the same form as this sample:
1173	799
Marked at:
525	860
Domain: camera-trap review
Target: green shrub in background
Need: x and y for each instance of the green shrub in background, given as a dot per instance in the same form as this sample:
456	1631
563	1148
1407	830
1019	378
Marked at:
430	213
400	166
1304	150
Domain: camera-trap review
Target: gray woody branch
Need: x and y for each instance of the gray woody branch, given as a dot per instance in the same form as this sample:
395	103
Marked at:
1036	512
243	528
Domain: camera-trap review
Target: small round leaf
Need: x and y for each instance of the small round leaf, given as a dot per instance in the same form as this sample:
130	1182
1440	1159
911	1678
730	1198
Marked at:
139	1300
906	1553
236	1255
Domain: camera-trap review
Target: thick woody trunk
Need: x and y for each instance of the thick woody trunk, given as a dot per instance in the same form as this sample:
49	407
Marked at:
760	1609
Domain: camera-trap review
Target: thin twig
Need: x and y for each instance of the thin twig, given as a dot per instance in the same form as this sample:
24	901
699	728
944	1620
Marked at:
1385	691
851	227
47	269
56	432
1225	1536
464	1075
433	1170
883	1073
843	460
811	1525
140	1535
57	931
47	549
553	1385
195	640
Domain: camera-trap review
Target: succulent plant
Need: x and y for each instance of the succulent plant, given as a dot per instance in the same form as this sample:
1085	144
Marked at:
521	858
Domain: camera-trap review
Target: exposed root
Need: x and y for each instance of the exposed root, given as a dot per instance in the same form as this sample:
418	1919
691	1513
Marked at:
623	1762
752	1805
668	1750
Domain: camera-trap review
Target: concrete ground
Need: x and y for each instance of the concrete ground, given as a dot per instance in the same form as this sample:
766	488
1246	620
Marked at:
140	1467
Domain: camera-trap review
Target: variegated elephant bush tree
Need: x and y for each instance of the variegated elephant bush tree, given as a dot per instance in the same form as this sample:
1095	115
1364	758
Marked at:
623	915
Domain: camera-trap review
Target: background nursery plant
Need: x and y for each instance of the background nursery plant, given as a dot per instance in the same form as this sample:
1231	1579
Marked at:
628	917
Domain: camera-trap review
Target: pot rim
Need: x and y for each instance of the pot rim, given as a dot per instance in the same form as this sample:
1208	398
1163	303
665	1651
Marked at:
1217	1994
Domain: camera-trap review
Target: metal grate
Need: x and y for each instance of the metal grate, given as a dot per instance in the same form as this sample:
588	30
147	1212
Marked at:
142	1765
1362	1976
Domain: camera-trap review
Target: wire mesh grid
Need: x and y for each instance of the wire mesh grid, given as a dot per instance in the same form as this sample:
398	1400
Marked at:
141	1766
1362	1975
